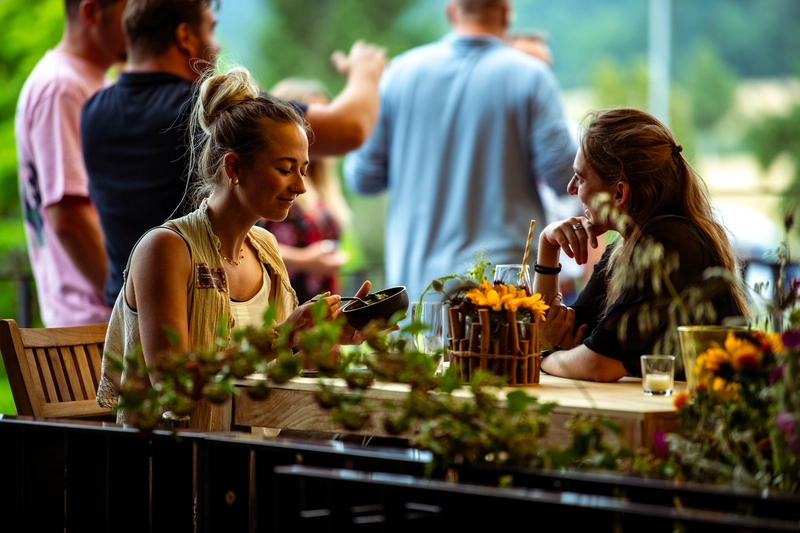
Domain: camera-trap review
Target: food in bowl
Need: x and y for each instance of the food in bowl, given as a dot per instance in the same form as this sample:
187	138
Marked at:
380	305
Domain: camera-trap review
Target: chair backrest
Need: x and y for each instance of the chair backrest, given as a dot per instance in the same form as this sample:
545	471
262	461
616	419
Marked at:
54	372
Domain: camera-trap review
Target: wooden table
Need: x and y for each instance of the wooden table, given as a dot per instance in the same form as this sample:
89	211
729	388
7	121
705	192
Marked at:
292	406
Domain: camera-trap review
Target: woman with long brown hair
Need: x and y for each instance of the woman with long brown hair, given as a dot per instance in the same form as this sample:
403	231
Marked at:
631	177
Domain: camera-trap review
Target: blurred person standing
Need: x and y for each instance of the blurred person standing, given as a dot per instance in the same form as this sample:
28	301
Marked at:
308	237
134	133
467	127
65	241
557	203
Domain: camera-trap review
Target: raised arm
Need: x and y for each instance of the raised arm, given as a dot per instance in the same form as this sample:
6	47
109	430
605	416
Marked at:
347	122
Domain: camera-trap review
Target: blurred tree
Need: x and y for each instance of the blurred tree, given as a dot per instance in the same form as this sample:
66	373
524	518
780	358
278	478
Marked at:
620	87
711	85
776	136
30	27
300	35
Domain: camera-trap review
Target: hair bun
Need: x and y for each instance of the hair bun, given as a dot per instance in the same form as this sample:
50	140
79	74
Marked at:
223	92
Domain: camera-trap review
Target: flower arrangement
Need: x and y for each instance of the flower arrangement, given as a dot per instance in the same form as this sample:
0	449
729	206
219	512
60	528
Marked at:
739	424
501	297
493	326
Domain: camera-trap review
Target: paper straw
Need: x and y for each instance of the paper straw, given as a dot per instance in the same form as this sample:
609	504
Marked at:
525	257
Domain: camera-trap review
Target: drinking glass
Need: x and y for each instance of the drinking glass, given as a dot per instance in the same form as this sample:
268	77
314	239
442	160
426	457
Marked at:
432	315
658	374
510	275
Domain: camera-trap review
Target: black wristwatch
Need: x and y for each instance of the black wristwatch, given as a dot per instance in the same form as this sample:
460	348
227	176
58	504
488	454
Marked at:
552	349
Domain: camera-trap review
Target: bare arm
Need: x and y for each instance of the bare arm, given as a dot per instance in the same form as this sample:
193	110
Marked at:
583	363
345	123
157	288
77	227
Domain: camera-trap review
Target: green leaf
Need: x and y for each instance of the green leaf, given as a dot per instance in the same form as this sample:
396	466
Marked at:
518	401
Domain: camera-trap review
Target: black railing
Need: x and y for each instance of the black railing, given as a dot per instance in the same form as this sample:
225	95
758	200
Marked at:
82	476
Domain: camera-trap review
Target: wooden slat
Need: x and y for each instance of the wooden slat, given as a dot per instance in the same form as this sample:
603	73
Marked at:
75	409
95	354
20	377
47	386
59	376
84	381
74	388
47	337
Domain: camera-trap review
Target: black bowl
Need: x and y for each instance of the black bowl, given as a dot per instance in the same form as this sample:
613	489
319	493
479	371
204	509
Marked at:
359	315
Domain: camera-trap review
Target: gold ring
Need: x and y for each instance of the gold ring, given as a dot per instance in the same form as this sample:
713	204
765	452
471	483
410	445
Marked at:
577	226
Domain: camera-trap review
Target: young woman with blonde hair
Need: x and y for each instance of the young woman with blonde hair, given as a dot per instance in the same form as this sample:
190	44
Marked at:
250	159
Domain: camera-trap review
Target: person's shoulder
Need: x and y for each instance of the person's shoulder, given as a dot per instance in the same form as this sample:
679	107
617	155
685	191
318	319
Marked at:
101	98
419	55
263	235
162	245
50	77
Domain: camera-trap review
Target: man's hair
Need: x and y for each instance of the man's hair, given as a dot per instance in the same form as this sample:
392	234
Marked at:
71	6
530	35
150	24
478	7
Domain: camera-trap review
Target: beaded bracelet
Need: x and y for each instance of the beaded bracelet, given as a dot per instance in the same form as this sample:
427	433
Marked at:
539	269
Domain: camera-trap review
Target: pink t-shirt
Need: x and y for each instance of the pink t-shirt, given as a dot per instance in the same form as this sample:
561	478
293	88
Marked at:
50	167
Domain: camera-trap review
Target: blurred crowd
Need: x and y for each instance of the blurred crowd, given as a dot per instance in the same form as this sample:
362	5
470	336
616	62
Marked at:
467	166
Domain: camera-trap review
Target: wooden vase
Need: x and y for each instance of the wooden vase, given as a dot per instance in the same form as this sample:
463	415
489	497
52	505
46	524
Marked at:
515	351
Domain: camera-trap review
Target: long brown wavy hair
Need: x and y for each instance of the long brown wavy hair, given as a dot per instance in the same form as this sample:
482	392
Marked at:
635	147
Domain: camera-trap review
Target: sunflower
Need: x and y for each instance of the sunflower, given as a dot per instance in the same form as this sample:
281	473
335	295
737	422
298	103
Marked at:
500	296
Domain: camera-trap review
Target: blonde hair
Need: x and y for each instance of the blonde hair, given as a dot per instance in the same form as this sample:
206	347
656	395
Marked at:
322	172
633	146
229	116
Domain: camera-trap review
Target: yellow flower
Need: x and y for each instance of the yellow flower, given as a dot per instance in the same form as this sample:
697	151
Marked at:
485	296
680	400
499	297
536	305
711	360
775	342
743	353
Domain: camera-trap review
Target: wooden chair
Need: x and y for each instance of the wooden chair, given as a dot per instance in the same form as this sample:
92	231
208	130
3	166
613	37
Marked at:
54	372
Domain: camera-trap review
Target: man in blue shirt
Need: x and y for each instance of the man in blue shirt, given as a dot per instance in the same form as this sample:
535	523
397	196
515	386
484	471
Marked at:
467	125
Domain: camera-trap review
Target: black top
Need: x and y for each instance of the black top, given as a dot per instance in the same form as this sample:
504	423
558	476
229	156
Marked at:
134	137
134	146
695	256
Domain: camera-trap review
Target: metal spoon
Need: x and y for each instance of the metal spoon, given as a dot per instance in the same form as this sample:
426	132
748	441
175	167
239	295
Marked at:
344	299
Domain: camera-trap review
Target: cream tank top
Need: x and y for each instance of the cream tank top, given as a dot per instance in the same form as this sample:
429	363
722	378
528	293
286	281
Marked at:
251	312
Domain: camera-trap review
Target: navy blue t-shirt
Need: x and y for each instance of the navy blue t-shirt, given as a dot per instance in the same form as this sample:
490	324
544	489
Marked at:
134	137
134	145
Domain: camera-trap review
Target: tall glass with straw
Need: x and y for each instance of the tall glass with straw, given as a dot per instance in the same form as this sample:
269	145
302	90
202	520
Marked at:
518	275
